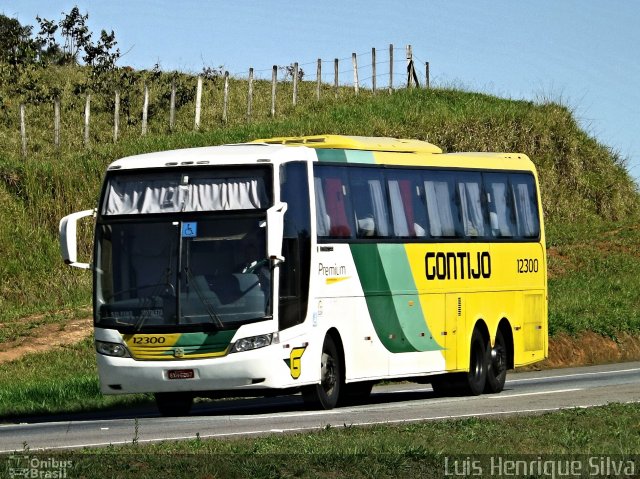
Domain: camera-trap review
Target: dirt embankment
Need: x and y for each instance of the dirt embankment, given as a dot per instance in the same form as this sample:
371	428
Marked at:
564	350
45	338
590	348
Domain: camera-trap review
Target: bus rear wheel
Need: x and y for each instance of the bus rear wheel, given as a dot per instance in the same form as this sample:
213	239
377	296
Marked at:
471	383
496	365
326	394
174	404
475	380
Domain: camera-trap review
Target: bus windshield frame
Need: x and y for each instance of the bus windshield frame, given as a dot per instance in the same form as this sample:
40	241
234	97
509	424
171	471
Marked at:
199	265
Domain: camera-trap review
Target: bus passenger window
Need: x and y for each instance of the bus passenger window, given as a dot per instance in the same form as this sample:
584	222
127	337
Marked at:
369	203
332	207
408	212
473	218
442	207
500	205
525	199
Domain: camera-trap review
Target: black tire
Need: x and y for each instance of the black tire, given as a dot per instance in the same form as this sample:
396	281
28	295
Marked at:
355	393
496	365
326	394
476	378
174	404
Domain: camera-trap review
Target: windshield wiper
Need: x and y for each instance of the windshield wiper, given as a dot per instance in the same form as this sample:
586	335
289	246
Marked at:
215	319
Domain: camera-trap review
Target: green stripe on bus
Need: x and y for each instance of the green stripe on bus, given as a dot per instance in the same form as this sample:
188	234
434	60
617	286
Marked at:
345	156
359	156
379	301
392	299
331	155
202	343
405	298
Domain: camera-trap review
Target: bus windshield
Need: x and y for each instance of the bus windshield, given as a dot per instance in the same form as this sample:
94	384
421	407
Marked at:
177	274
178	251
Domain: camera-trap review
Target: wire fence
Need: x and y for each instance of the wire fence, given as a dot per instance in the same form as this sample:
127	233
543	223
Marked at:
209	100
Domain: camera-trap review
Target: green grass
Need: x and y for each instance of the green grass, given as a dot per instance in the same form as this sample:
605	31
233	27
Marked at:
594	280
57	381
411	450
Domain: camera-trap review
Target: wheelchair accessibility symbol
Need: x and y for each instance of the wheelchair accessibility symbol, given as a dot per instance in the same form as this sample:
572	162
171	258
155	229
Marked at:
189	230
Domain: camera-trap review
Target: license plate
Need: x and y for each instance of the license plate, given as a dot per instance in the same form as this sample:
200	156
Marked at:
180	374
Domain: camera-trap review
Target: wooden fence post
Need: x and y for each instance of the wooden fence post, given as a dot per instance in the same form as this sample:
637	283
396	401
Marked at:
172	107
274	79
373	70
335	76
196	121
354	60
87	117
295	83
391	68
427	80
318	78
225	100
56	123
412	76
409	55
116	116
145	110
250	97
23	130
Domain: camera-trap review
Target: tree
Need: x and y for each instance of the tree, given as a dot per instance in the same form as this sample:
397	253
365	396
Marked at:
75	33
102	56
51	51
76	38
16	45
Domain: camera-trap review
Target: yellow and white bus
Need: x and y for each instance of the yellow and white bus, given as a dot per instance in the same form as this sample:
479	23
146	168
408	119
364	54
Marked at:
317	264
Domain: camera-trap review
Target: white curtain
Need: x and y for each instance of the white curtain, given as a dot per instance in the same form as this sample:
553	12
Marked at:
499	195
439	208
162	196
471	208
398	216
379	210
526	216
322	217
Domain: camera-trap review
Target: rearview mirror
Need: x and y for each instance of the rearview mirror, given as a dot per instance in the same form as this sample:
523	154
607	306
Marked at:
275	232
68	238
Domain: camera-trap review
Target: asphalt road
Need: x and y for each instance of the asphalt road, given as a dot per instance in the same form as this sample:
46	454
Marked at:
525	393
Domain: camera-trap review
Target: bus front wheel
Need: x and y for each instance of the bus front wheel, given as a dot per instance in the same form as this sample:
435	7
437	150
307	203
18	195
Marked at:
173	404
325	395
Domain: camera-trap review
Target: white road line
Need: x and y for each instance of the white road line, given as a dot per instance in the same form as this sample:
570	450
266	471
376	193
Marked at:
286	415
562	376
506	396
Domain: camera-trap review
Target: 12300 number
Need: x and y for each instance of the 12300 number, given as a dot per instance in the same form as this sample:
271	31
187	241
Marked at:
527	265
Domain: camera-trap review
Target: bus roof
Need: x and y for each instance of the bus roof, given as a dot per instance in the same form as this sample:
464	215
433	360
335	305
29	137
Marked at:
369	143
395	151
241	153
326	148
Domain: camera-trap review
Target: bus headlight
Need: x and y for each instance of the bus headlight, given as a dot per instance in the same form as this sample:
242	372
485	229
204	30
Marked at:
253	342
112	349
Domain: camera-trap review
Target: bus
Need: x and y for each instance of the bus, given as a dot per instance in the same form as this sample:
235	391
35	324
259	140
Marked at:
317	265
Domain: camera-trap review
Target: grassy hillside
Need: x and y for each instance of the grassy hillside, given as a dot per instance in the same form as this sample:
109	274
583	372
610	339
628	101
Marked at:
583	182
